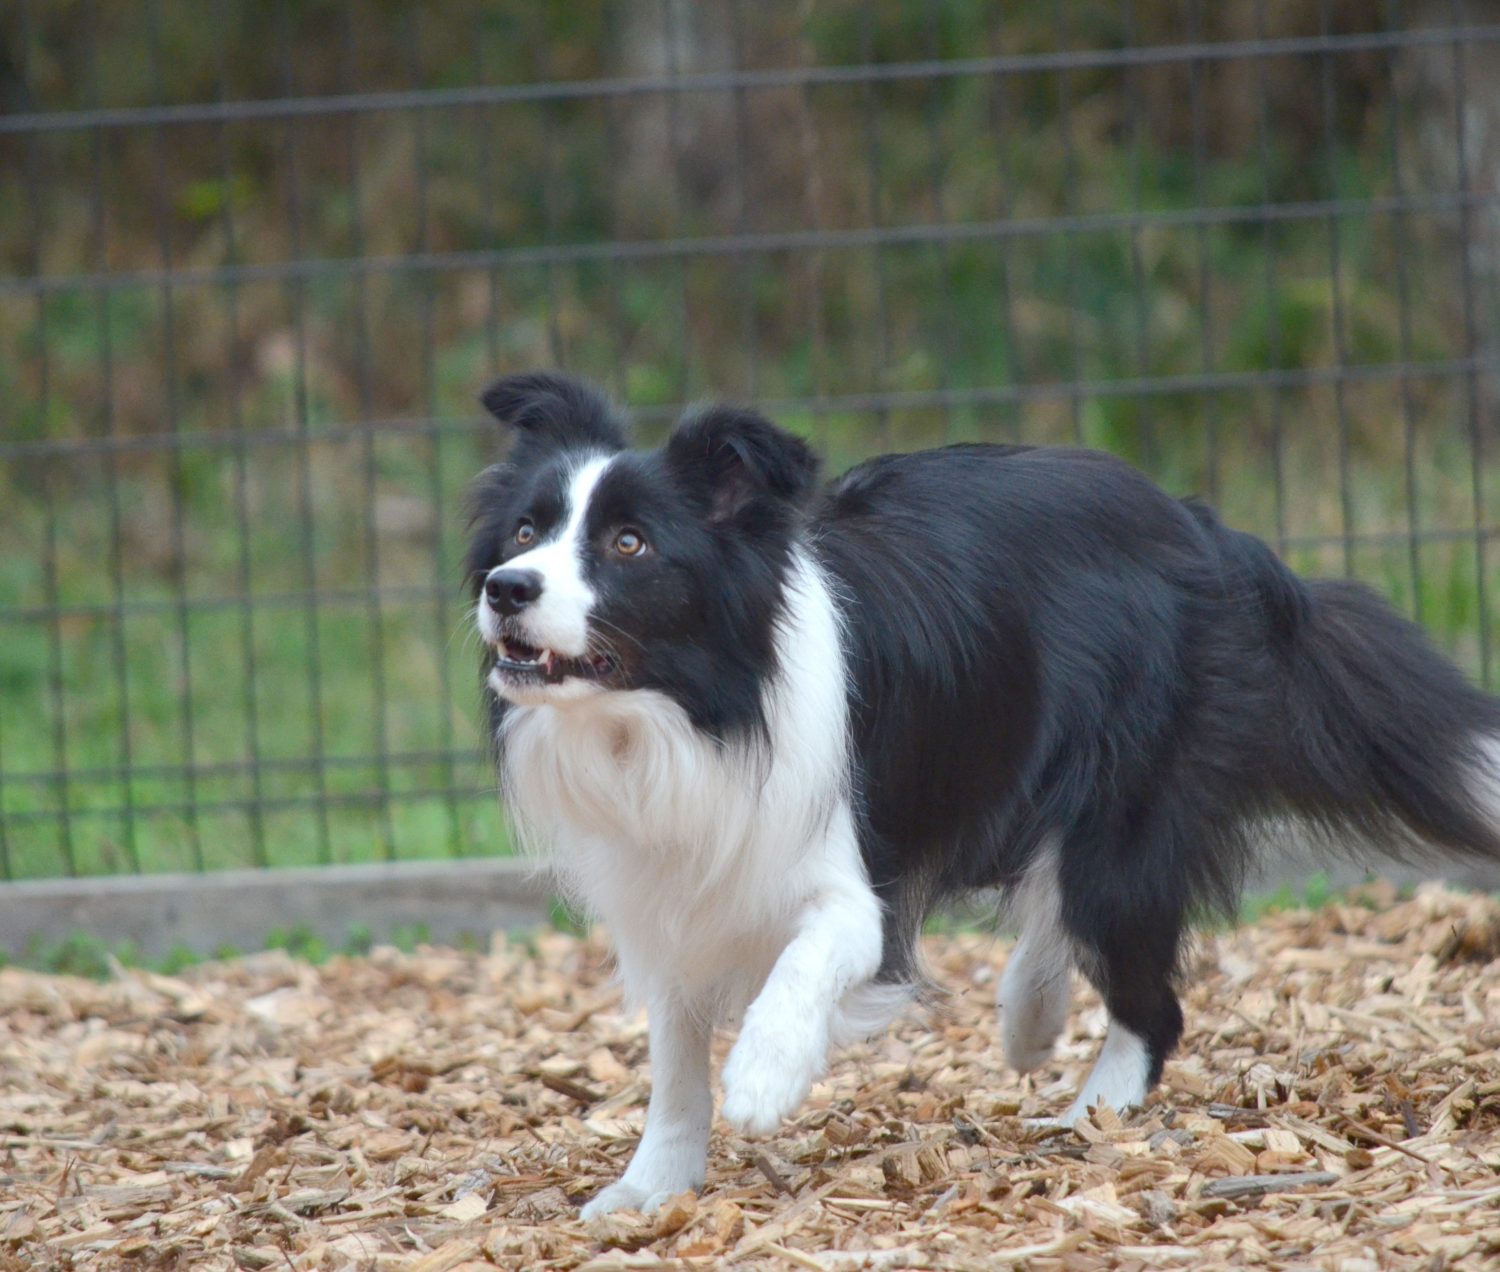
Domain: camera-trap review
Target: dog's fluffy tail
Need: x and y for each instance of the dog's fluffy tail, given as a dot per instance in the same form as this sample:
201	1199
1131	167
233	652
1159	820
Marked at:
1384	745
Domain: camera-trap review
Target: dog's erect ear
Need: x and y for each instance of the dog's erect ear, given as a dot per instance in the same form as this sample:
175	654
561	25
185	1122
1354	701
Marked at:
551	411
738	459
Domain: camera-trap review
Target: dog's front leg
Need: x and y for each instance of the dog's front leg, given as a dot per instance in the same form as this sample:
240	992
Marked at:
674	1148
783	1043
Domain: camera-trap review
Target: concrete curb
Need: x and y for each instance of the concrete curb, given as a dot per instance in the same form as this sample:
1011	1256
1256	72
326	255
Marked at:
239	908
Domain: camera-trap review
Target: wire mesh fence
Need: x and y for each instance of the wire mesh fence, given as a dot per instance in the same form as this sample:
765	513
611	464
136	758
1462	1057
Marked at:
258	258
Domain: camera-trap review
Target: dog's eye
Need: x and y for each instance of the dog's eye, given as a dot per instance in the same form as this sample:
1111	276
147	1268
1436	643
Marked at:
525	533
629	543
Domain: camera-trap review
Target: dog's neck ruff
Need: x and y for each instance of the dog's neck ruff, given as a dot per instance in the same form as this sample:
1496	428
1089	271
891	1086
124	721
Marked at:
692	848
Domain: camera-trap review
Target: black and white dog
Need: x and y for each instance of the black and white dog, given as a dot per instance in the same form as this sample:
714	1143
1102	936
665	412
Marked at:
762	726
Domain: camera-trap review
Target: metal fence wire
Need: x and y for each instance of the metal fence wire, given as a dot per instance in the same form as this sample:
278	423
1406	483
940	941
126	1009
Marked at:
258	258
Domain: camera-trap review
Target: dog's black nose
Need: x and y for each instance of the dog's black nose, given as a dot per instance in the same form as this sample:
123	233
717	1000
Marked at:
511	591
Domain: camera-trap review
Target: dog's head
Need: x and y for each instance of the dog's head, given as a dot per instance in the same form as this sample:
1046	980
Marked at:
599	568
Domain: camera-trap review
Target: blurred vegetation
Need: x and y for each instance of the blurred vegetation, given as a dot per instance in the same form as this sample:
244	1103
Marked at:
81	953
1125	248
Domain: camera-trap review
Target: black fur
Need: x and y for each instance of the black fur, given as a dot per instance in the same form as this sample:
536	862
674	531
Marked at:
1043	648
552	413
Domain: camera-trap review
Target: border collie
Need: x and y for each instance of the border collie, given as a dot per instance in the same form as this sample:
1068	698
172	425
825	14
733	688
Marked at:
763	726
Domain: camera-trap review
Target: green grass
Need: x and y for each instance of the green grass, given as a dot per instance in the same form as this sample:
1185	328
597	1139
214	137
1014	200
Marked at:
1313	894
251	684
83	954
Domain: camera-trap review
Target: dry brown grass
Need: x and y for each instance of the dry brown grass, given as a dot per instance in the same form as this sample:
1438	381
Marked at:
1336	1104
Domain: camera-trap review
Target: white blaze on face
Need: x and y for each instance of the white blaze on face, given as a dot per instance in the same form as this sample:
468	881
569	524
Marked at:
559	619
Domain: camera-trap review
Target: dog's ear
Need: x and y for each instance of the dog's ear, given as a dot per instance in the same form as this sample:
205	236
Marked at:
551	411
737	460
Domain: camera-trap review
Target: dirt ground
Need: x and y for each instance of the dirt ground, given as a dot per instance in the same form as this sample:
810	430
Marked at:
1335	1104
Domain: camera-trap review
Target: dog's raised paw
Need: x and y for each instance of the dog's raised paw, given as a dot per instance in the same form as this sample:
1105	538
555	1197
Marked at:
765	1081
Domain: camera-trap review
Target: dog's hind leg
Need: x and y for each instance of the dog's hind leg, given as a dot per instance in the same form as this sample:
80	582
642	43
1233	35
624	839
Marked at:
1124	911
1035	987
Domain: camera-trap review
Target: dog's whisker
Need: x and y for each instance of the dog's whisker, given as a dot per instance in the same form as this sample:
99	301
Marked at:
600	621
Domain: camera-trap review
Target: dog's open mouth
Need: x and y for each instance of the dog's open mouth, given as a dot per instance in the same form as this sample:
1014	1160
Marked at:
520	661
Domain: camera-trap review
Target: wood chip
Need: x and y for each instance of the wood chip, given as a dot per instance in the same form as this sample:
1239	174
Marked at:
763	1164
1259	1185
465	1209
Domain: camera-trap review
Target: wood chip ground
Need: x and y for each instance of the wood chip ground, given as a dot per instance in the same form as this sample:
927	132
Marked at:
1335	1104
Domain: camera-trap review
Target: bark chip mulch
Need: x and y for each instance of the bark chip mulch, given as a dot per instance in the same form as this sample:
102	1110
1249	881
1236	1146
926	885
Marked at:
1335	1104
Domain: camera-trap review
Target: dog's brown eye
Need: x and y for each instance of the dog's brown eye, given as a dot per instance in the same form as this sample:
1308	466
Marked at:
629	543
525	533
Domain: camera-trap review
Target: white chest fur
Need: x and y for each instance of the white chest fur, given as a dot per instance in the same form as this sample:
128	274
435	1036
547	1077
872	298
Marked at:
698	855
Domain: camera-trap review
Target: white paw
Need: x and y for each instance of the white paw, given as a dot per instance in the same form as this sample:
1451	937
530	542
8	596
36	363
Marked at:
628	1196
767	1076
1024	1054
1081	1107
1058	1121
